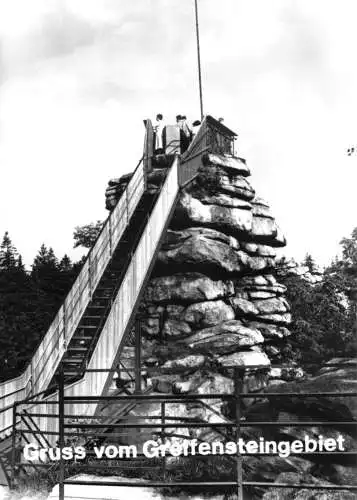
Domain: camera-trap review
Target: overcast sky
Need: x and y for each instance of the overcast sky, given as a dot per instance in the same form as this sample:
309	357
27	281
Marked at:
78	76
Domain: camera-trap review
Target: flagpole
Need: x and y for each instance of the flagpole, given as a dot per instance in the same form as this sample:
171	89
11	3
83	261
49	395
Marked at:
199	59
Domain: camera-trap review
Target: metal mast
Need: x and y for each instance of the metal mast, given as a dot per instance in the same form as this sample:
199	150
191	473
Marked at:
199	59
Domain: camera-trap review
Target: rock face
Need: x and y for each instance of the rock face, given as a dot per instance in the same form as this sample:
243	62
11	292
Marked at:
212	301
337	375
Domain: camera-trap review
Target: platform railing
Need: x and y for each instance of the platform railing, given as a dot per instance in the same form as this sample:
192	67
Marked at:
211	137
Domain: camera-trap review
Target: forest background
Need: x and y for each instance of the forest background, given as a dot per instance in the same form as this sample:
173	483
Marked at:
324	312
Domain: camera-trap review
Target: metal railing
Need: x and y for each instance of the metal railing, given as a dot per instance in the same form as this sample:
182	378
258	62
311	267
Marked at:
122	310
212	137
164	426
45	360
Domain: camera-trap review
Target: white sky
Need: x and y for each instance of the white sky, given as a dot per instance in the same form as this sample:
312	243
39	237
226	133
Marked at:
78	76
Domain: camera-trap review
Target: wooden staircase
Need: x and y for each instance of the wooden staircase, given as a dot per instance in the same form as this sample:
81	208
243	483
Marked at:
85	337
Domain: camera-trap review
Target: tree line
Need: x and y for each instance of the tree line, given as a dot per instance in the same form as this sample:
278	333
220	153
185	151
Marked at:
324	313
29	300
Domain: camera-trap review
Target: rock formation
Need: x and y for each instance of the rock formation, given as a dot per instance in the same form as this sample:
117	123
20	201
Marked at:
212	301
337	375
288	268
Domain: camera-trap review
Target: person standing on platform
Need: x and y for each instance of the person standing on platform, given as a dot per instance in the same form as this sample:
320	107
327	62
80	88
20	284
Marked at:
186	134
158	129
194	127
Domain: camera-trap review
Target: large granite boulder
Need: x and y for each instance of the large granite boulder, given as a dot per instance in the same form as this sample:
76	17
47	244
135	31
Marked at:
200	247
230	164
191	211
187	287
244	359
208	313
216	179
226	337
209	250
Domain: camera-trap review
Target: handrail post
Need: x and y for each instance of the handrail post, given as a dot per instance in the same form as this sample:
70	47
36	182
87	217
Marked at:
32	389
138	356
238	386
90	274
127	206
163	439
61	432
64	326
13	445
110	237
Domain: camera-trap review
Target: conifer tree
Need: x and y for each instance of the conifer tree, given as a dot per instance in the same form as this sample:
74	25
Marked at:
9	257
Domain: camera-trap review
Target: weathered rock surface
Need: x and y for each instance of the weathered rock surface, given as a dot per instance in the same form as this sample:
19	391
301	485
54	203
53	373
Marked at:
230	164
218	180
338	469
224	200
189	287
304	493
243	307
200	247
185	364
192	212
176	328
208	313
272	306
227	337
270	331
209	251
340	379
244	358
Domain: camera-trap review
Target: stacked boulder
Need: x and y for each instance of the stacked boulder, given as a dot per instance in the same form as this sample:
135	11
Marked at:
115	189
212	302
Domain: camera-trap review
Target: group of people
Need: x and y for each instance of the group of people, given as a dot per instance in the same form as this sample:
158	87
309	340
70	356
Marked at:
187	132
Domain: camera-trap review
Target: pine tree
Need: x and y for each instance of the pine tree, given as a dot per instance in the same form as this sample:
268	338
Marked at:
309	262
9	256
65	264
15	310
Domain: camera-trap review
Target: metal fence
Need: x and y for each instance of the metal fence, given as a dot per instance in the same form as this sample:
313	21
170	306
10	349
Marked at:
161	424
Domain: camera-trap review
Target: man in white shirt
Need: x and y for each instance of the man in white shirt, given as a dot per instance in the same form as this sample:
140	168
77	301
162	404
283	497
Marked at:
158	129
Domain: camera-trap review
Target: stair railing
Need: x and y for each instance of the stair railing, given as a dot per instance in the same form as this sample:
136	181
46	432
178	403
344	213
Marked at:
45	360
118	320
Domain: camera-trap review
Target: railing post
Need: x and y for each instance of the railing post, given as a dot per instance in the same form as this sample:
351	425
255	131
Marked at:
127	206
61	432
163	439
238	385
90	274
32	389
64	326
138	356
110	236
13	446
